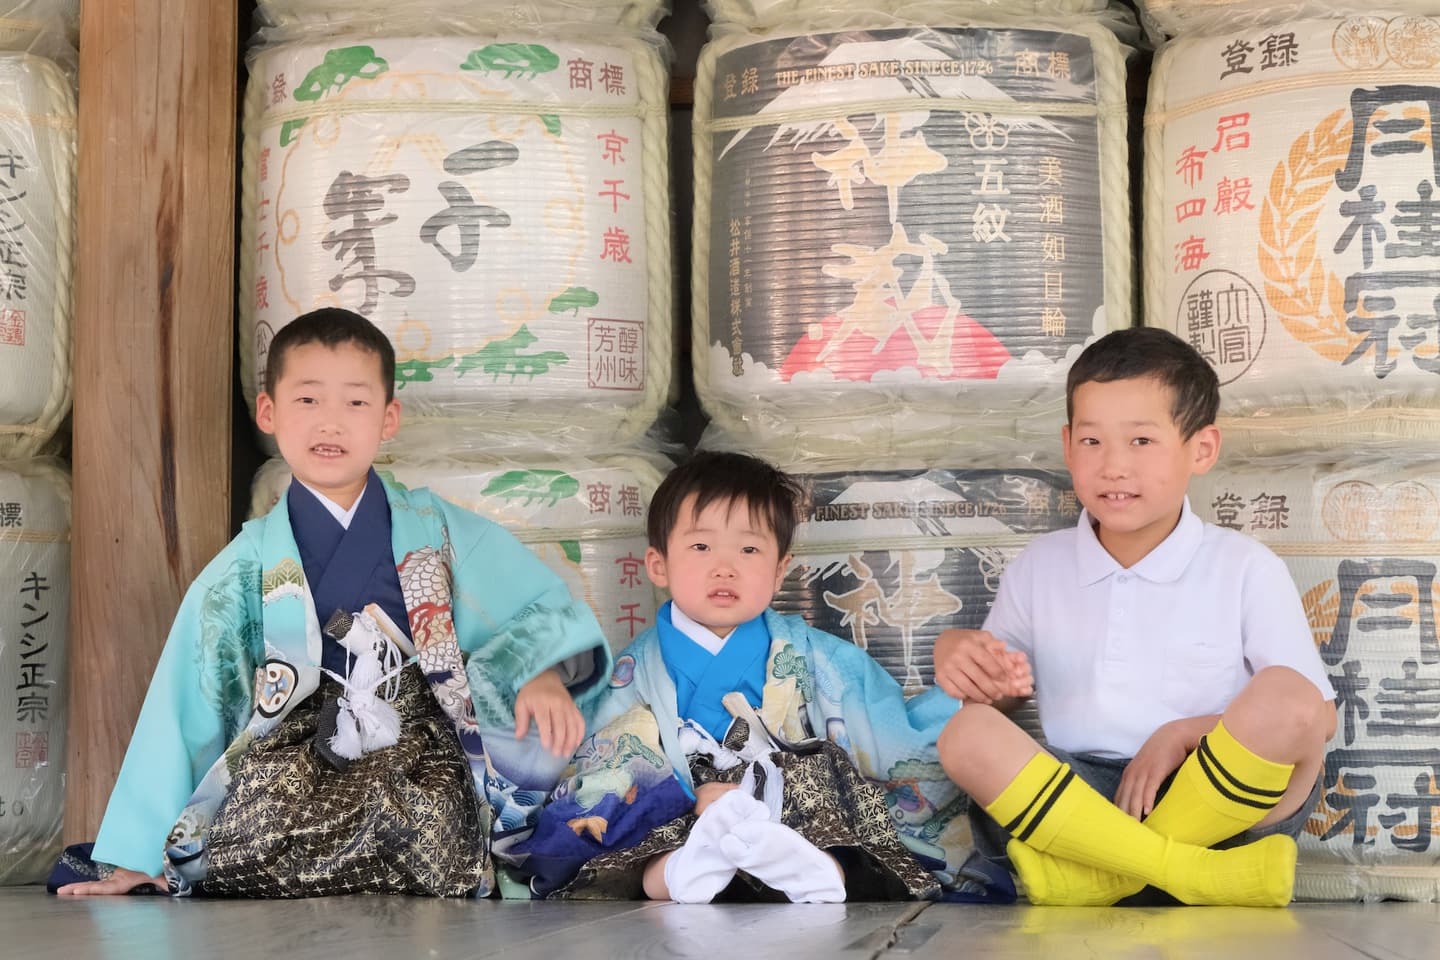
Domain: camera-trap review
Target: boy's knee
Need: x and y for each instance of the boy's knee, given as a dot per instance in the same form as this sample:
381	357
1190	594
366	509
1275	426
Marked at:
1289	707
962	732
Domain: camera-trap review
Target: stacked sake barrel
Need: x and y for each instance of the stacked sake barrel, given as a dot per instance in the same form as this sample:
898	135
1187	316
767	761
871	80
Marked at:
492	194
1176	17
1291	190
1363	544
906	225
37	171
889	558
34	615
584	518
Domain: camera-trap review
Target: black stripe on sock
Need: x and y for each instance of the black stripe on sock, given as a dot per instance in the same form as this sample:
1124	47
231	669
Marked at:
1010	827
1239	784
1040	814
1207	759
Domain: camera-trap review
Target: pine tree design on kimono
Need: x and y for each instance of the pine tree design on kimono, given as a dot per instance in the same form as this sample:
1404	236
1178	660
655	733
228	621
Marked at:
618	767
788	664
425	584
230	641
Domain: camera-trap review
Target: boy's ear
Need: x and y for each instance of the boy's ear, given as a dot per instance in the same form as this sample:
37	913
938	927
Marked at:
655	567
391	424
265	412
1206	446
782	569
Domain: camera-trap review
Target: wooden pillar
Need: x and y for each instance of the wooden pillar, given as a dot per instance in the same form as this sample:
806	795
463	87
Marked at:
153	354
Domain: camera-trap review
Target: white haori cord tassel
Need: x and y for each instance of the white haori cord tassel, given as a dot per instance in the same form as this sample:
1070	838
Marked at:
367	721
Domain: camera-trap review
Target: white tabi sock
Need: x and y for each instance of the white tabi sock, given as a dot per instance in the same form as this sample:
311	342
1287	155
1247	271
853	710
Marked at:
779	857
698	871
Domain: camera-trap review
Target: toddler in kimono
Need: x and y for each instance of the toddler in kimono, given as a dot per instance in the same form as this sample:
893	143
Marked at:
739	751
369	690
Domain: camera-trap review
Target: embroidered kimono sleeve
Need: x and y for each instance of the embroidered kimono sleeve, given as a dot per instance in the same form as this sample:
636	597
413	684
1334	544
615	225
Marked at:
514	614
198	700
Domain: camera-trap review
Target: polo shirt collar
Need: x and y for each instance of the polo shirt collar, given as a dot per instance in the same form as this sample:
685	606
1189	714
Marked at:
1164	564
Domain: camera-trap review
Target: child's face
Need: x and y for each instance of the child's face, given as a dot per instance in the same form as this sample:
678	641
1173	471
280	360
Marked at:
328	416
1129	463
722	567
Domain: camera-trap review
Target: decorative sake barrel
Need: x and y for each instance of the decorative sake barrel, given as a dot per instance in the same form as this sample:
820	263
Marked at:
1291	209
34	620
1363	544
498	205
37	169
39	26
644	13
822	13
888	559
1179	17
585	519
903	235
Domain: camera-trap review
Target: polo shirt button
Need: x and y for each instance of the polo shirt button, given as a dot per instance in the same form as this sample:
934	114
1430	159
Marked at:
1123	578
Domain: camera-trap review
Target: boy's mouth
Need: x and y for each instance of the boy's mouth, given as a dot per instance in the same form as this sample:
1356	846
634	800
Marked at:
724	596
327	450
1118	497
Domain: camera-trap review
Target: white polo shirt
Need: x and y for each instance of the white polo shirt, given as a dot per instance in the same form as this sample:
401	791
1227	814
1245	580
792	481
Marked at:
1117	652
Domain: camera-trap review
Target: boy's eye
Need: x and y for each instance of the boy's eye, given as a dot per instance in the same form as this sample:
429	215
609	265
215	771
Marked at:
749	549
1089	442
359	403
700	546
1142	441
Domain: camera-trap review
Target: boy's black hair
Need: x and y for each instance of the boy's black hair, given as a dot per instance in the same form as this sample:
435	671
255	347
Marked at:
331	327
772	496
1138	352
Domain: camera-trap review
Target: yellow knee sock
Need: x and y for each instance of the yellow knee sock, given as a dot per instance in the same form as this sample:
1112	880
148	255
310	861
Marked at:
1047	808
1220	790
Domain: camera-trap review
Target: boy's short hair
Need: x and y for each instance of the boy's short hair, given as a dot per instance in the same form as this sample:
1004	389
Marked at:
331	327
1138	352
772	495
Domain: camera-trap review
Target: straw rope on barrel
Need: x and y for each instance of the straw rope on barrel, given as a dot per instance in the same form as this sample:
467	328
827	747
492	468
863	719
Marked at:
1362	542
519	13
889	558
499	206
824	14
903	234
583	517
34	619
1181	17
1290	206
37	234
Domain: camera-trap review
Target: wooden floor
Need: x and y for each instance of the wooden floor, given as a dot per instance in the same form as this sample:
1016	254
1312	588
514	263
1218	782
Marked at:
35	926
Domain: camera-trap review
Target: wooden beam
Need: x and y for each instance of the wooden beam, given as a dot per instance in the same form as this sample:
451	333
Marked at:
153	354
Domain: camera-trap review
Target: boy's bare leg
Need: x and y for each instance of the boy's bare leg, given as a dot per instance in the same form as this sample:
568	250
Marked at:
1265	754
983	750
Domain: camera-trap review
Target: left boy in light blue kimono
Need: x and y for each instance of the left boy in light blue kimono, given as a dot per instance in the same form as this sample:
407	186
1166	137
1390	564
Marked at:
346	698
741	753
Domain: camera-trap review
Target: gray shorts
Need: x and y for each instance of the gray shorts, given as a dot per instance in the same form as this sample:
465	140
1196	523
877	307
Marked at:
1103	774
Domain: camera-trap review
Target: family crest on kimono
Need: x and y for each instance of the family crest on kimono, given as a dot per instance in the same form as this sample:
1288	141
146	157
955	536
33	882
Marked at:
739	753
369	689
1182	699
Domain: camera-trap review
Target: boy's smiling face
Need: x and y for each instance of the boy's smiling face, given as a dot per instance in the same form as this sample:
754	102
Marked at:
1129	463
722	567
329	415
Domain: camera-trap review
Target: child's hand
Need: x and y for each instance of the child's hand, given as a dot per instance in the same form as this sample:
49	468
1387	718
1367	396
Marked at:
975	667
1160	756
546	700
122	881
708	793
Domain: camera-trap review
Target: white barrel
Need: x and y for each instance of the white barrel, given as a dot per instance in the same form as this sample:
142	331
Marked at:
498	205
524	13
888	559
37	234
823	13
584	518
903	235
1179	17
1363	544
34	636
1292	188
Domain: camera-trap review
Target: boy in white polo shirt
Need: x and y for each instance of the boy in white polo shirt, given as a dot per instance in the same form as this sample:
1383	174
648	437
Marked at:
1183	702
